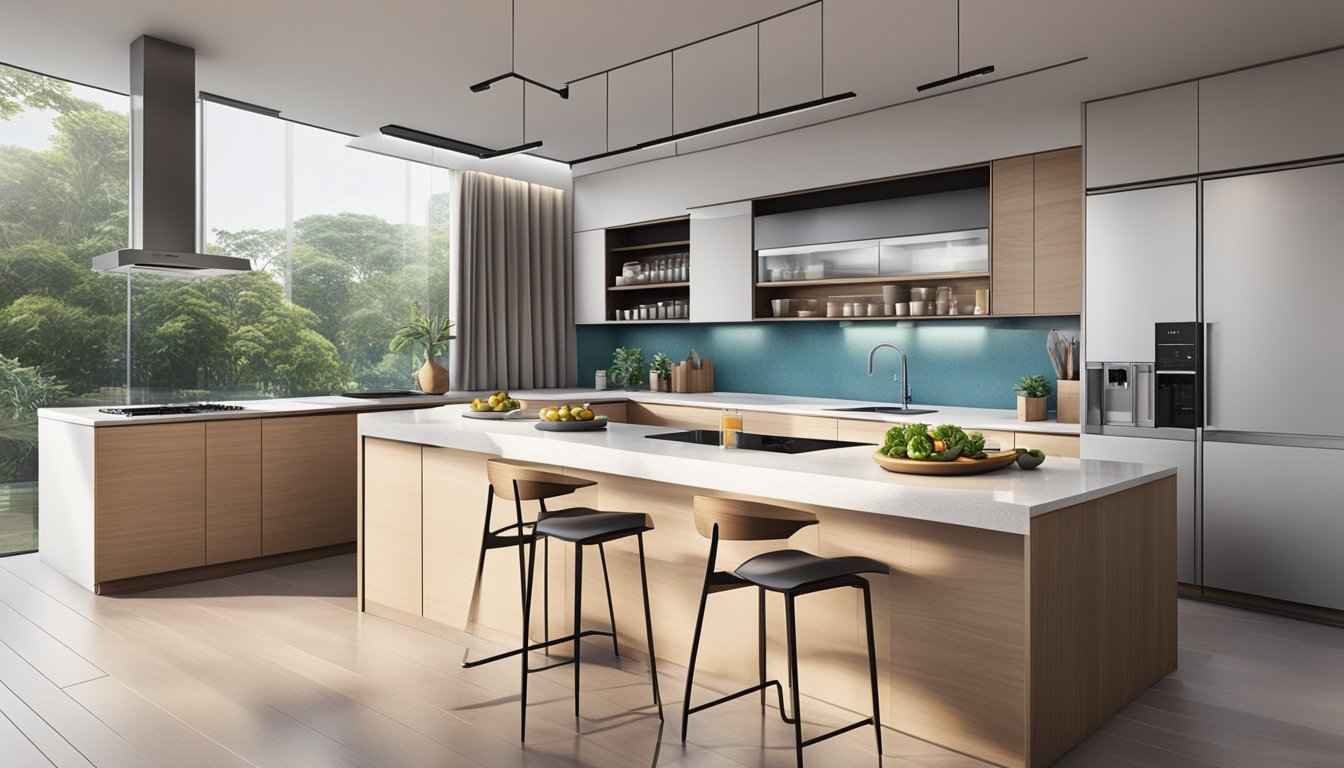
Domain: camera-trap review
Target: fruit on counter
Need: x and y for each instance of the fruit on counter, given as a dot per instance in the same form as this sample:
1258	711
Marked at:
1030	459
947	442
568	413
499	402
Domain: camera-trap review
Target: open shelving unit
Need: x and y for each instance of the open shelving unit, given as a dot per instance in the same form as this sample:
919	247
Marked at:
648	244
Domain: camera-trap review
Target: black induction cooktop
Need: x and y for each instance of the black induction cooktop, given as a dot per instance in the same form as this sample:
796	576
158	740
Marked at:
751	442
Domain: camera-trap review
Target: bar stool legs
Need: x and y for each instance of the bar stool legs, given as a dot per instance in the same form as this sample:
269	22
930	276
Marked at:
584	533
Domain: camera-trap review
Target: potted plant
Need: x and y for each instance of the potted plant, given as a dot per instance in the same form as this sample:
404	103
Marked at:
627	367
428	333
1031	393
660	373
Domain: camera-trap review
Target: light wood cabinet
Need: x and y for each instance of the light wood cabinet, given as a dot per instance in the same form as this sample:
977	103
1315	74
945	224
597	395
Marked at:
1012	255
1058	226
684	417
1036	252
613	411
788	425
392	524
232	490
307	482
1053	445
149	492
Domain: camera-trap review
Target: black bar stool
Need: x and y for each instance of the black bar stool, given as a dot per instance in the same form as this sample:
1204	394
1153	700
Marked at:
581	531
518	482
790	572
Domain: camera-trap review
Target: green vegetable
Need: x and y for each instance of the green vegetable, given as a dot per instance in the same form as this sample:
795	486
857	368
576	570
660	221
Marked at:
947	455
1021	451
919	447
896	451
915	430
1037	452
975	443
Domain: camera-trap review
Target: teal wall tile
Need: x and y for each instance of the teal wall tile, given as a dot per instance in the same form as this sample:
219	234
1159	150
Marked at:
970	363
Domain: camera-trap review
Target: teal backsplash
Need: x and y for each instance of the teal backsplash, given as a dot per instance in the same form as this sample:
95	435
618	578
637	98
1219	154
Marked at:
971	363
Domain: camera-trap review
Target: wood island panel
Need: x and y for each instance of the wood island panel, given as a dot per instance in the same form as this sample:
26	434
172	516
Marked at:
232	490
788	425
149	491
1053	445
1103	610
392	548
308	482
1012	233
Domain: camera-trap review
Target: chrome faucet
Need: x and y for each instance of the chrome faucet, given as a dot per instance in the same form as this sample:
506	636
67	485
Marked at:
905	380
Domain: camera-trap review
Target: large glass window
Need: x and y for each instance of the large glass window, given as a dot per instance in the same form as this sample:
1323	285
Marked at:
63	198
342	243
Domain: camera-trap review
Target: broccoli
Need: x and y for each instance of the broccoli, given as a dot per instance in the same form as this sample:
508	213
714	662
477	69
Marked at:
915	430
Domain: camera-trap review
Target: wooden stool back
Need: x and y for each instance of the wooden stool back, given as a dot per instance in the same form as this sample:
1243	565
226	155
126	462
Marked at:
532	483
740	520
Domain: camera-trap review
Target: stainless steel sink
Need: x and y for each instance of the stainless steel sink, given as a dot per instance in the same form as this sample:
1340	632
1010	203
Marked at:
889	410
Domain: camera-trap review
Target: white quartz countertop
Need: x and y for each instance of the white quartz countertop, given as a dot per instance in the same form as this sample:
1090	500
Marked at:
847	478
967	418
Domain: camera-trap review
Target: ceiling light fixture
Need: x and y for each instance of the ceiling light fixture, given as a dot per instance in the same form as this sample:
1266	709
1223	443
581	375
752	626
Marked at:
484	85
981	71
453	145
747	120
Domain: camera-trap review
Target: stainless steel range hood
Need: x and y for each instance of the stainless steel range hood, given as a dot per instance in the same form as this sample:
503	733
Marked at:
163	169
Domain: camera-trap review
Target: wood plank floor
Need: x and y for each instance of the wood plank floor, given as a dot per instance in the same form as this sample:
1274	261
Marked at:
278	669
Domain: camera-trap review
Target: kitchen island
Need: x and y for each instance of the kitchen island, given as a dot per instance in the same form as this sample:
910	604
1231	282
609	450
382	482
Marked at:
1022	608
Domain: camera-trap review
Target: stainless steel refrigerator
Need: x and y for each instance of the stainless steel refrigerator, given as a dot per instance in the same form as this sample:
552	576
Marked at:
1273	443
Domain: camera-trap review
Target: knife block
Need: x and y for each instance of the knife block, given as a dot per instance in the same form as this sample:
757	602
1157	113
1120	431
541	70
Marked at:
1067	405
688	379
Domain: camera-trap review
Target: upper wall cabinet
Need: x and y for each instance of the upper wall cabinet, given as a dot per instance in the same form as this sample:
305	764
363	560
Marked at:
1143	136
590	271
1293	110
1037	240
721	254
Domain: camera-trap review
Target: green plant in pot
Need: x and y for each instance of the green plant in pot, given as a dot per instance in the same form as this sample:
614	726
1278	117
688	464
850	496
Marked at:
427	333
1031	394
627	367
660	373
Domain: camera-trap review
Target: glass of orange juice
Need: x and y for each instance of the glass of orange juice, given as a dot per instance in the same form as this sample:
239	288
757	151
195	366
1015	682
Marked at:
730	426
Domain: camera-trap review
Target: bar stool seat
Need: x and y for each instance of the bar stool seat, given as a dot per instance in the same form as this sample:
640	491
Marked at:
790	570
589	526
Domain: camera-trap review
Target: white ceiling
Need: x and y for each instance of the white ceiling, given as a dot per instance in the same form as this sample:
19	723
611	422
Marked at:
354	66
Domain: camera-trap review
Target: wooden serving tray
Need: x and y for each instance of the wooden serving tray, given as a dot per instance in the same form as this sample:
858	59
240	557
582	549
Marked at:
993	461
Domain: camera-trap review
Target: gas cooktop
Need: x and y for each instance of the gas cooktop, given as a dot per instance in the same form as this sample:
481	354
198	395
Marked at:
170	410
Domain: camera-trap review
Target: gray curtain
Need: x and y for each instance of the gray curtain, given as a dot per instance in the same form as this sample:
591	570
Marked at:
515	318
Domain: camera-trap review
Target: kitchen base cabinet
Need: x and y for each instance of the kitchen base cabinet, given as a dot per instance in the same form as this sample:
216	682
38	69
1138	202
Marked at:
149	496
680	416
1273	524
232	490
788	425
307	482
1065	446
392	531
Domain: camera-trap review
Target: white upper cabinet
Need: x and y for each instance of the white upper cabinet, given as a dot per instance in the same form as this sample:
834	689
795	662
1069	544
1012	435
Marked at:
1143	136
590	277
1293	110
721	263
1141	264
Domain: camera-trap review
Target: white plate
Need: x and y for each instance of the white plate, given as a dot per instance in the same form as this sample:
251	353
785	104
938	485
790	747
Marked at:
495	415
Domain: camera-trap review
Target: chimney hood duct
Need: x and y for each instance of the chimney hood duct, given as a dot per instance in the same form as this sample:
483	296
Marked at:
163	169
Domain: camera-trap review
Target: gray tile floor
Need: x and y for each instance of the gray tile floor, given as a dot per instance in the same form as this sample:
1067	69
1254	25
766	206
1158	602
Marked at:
278	669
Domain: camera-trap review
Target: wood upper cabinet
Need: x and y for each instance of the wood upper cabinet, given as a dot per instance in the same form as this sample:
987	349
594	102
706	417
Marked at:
1037	238
149	497
308	470
1059	232
232	490
1013	287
